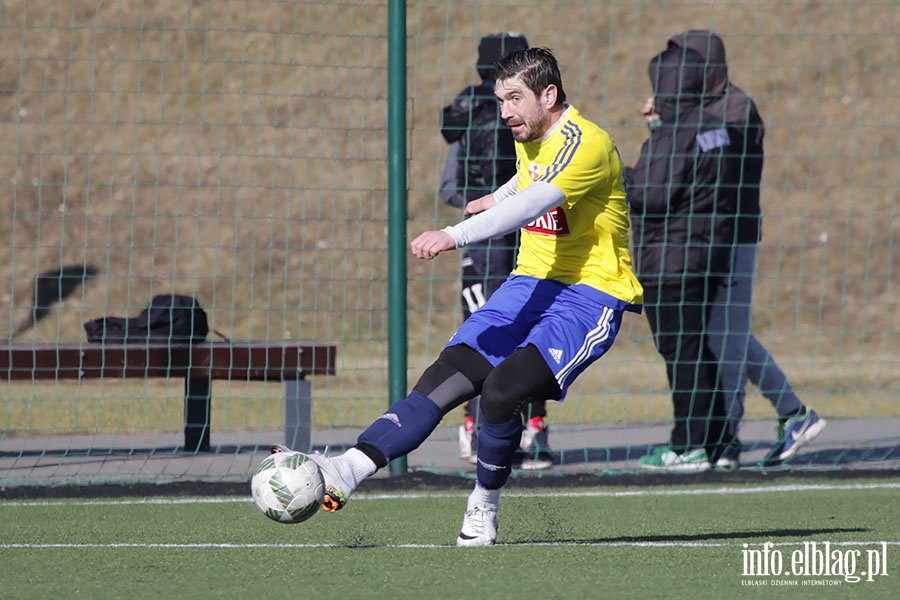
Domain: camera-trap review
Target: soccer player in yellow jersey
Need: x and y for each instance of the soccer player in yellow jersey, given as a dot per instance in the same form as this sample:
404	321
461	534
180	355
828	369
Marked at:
558	312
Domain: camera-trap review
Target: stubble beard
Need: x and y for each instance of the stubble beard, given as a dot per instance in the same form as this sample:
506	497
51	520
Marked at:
534	130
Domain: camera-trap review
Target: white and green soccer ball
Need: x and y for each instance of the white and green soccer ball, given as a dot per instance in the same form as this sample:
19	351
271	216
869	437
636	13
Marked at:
288	487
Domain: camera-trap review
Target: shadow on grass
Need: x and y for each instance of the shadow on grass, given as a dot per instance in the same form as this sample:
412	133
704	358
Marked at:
767	535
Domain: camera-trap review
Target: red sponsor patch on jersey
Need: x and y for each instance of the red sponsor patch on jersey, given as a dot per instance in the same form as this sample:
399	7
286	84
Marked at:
552	223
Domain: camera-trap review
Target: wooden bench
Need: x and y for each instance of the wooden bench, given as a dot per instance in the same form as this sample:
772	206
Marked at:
199	364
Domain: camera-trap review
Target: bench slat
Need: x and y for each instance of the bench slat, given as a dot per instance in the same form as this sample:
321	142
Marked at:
243	361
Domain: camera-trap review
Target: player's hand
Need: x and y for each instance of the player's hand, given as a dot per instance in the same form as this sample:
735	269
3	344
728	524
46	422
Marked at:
431	243
480	204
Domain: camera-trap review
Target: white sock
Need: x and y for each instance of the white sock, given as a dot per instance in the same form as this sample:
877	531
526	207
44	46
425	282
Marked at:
482	495
358	466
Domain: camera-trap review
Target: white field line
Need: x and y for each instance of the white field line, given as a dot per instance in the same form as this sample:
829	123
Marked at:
549	493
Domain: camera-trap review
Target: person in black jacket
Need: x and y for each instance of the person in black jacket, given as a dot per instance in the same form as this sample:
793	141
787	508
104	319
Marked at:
683	200
481	158
741	356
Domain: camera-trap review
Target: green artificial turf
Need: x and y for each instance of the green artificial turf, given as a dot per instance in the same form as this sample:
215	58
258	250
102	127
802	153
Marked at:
672	542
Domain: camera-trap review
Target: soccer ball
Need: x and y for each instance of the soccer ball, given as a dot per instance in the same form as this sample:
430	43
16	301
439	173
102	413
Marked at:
288	487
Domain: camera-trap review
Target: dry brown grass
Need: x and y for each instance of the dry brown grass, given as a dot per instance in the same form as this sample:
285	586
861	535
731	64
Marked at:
236	151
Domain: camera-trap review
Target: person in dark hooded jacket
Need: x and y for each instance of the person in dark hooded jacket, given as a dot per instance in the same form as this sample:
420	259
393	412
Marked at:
683	200
480	159
740	354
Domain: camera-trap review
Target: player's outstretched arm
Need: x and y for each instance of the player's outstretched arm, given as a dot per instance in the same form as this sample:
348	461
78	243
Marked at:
501	219
508	215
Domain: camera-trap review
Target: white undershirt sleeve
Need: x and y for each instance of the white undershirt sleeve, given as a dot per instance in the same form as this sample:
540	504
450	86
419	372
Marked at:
505	217
507	190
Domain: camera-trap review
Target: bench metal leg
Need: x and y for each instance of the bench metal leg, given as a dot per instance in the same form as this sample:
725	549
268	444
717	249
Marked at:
197	396
298	415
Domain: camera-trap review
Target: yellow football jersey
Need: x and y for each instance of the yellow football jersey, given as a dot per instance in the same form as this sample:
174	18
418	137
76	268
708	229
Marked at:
585	240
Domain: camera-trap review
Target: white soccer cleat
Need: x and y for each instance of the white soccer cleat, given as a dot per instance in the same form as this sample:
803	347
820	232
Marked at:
479	526
337	487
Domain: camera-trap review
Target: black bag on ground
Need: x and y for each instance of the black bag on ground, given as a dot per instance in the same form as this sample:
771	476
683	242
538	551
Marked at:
170	319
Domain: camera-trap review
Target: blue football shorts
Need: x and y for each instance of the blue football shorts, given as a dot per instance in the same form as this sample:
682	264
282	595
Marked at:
571	330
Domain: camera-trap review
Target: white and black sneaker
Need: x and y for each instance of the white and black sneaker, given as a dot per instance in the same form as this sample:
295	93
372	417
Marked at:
479	526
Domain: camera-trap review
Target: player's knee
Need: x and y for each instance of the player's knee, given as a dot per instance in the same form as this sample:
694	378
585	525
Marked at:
522	378
500	402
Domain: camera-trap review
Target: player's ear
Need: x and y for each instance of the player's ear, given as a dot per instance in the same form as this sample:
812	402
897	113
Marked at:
549	95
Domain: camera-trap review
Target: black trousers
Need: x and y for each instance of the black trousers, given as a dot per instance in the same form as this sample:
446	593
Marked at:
678	316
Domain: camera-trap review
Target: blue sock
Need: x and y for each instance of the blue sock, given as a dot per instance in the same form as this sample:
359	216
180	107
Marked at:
496	447
404	426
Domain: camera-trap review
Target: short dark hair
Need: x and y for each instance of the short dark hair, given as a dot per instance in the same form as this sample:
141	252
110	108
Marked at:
536	66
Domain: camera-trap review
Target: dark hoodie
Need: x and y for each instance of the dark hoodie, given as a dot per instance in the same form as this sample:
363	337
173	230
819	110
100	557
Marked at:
683	196
728	102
